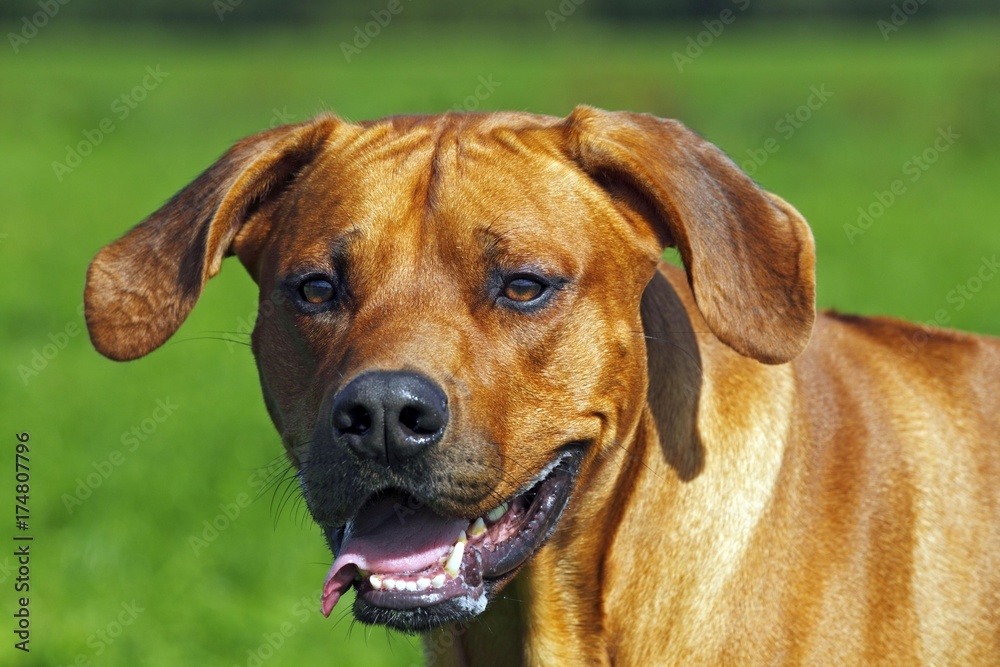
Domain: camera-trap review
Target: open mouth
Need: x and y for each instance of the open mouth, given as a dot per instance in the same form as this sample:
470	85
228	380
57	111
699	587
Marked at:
414	570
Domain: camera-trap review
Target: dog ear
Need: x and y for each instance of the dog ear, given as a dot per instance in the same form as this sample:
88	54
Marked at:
749	256
141	287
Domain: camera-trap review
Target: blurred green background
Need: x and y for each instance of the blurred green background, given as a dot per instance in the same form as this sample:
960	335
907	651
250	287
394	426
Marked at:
132	464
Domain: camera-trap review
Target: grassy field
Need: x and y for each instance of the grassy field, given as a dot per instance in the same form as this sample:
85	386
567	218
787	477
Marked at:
132	464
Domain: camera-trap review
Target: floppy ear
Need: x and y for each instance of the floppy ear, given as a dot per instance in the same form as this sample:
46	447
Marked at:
142	287
749	256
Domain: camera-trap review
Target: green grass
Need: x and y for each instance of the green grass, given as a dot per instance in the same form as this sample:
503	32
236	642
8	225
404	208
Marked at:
131	539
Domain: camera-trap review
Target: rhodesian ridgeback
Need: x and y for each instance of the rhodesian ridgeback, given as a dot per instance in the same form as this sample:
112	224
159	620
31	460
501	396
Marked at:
528	439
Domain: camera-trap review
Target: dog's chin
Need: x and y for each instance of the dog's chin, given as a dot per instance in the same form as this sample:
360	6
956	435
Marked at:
409	577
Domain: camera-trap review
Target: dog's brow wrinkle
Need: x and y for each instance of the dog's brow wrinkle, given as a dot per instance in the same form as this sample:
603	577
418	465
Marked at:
340	249
491	241
437	163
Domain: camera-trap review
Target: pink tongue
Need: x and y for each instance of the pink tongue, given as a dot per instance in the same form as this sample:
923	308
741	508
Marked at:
389	537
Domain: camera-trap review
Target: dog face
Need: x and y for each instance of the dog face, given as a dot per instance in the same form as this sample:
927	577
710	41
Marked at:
449	338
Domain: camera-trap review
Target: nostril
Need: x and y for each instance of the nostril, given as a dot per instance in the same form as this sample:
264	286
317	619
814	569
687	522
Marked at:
388	416
418	422
355	420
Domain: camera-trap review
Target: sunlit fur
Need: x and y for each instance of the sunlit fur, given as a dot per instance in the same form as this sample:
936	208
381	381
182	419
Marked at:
761	485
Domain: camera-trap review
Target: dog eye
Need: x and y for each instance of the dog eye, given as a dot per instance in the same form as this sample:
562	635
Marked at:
317	290
523	290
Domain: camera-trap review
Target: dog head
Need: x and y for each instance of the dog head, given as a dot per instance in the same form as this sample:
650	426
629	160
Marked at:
449	330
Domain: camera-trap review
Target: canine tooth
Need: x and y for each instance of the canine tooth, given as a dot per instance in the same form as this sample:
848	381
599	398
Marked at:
438	581
411	586
376	582
497	512
423	583
462	538
455	559
478	528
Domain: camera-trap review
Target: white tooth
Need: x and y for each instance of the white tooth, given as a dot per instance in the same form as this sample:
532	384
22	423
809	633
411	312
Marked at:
462	538
376	582
455	559
400	585
478	528
497	512
438	581
389	584
423	583
411	586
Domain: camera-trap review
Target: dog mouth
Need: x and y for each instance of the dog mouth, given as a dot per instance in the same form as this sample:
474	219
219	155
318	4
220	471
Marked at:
414	570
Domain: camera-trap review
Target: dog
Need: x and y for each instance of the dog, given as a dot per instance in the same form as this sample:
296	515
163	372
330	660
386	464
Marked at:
529	439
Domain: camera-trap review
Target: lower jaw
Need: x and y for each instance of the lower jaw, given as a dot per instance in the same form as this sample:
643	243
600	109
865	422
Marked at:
465	597
423	618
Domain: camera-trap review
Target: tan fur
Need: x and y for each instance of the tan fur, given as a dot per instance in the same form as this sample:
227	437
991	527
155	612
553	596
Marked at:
761	485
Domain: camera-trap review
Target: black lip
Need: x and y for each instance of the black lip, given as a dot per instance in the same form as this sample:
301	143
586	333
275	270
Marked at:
412	621
484	572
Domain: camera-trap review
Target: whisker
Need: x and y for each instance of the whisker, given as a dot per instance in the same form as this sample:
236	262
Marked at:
220	338
673	343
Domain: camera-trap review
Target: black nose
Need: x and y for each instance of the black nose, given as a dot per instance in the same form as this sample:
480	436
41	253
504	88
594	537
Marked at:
388	416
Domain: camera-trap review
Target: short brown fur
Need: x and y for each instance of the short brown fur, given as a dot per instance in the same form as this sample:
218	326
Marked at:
761	486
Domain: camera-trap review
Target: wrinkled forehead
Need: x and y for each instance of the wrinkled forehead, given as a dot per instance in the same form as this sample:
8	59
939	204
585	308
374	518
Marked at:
461	186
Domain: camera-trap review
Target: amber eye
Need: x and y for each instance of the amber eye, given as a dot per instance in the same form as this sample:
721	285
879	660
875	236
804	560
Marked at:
523	290
317	290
